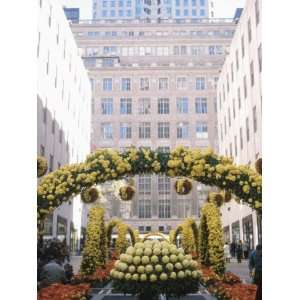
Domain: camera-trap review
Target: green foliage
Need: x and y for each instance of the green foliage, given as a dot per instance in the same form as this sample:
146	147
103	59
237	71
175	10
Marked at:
211	238
95	249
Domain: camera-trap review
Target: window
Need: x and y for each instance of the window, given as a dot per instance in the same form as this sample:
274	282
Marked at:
247	130
200	83
164	185
202	13
235	146
233	108
163	130
53	126
177	13
227	82
239	97
252	73
184	208
241	138
182	105
194	13
249	31
254	119
107	106
232	75
259	58
245	87
201	130
257	12
145	211
144	106
106	131
163	149
107	84
237	59
125	130
42	150
181	83
182	130
229	117
51	163
185	2
243	45
163	84
164	208
107	62
126	84
145	130
125	106
201	105
202	2
144	184
144	84
163	106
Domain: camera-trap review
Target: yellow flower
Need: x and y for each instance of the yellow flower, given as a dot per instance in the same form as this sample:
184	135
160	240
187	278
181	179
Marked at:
246	188
156	166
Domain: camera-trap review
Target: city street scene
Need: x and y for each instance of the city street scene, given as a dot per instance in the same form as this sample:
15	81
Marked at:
149	160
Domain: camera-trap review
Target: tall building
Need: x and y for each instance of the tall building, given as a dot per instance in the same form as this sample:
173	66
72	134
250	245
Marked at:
154	85
72	14
151	9
63	108
239	115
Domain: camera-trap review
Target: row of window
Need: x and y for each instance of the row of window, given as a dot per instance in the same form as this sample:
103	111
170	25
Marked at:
144	84
196	50
163	130
198	33
144	106
241	134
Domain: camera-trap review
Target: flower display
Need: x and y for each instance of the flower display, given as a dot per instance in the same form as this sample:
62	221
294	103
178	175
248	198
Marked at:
227	196
183	186
126	193
216	198
95	248
211	238
42	166
105	164
89	195
64	292
153	267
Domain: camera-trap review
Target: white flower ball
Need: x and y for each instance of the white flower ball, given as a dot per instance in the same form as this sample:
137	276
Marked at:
153	278
178	266
139	252
135	277
148	269
136	260
127	276
148	251
154	259
173	275
169	267
165	251
158	268
173	258
141	269
185	263
145	260
143	277
165	259
156	251
180	274
163	276
131	269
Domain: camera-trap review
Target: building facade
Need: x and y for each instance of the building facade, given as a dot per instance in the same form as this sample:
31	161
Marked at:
154	85
63	108
239	115
72	14
152	9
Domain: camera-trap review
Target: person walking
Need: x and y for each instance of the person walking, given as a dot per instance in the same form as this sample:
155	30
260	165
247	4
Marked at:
245	249
239	251
232	248
255	268
227	253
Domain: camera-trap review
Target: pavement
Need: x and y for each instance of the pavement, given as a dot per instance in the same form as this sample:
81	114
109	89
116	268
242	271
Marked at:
239	269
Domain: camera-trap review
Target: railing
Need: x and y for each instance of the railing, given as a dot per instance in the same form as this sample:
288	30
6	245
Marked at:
157	21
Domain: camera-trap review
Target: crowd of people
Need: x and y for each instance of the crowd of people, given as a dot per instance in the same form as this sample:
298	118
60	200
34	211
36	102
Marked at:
53	262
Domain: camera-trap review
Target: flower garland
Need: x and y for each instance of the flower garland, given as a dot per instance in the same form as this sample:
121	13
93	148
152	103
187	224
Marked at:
42	166
211	238
105	164
95	248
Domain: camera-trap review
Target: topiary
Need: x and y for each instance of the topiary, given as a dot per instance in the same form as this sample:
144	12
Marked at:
139	274
89	195
183	186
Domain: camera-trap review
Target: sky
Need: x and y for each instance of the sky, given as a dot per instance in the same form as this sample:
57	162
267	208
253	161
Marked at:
223	8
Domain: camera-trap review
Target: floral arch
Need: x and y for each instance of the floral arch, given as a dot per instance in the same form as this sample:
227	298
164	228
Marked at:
104	164
158	234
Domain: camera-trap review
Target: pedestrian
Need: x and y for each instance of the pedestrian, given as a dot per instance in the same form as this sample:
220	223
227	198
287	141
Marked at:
227	253
245	249
233	248
239	251
255	268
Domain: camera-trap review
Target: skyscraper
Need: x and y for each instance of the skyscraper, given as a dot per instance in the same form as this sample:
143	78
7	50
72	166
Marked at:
150	9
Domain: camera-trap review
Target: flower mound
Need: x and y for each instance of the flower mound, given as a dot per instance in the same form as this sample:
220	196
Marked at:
153	268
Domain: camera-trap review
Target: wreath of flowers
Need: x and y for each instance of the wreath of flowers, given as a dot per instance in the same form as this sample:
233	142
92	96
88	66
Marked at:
89	195
42	166
126	193
183	186
105	164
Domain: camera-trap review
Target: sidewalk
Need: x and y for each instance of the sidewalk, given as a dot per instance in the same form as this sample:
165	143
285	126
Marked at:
240	270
